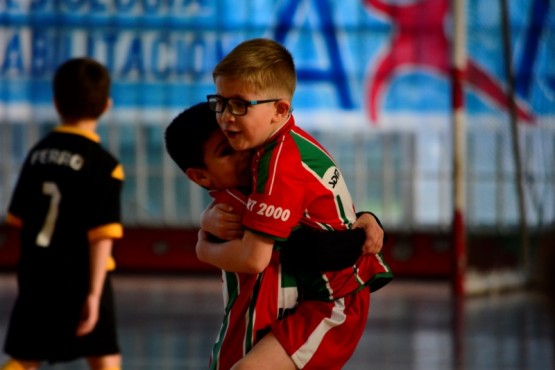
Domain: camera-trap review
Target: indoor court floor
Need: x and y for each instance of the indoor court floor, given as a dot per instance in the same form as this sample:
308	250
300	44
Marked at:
170	323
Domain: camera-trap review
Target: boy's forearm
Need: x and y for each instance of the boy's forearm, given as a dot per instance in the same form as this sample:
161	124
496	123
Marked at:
247	255
100	252
222	254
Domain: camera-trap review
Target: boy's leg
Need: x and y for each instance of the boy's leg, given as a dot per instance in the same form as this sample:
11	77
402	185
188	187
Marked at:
109	362
274	295
324	335
259	302
14	364
268	354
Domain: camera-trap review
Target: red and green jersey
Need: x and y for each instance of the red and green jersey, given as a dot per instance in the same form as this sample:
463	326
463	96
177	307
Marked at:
252	301
296	182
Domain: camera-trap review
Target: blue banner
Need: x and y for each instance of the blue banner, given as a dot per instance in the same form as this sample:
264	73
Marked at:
371	59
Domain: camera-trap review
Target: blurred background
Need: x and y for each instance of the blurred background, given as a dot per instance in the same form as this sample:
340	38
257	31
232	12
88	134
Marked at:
393	88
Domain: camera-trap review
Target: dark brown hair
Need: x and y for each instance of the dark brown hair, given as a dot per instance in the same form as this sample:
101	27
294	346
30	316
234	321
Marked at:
81	89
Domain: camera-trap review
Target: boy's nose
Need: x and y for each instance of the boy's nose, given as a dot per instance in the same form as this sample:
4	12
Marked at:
225	119
227	115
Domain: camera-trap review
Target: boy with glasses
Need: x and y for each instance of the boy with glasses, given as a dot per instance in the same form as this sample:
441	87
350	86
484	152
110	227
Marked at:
67	206
295	182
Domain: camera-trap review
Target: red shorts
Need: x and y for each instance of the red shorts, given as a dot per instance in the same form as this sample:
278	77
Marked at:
324	335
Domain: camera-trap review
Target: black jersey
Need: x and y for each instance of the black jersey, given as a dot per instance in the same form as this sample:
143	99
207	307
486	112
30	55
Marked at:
68	193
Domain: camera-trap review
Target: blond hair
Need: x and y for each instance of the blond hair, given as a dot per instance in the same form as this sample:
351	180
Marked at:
264	64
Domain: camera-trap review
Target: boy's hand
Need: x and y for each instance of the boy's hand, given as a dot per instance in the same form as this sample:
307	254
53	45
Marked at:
221	220
374	233
89	315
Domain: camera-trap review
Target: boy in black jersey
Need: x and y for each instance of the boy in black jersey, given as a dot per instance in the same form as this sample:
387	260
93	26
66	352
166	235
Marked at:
201	150
67	206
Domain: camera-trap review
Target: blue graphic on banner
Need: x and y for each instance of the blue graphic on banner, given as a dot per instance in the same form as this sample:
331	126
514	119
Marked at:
335	73
352	56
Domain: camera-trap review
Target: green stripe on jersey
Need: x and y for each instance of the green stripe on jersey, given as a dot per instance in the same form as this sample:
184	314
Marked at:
264	163
313	156
342	214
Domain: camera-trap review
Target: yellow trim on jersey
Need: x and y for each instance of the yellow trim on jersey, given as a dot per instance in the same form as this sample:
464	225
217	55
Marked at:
13	220
77	131
112	231
118	173
111	264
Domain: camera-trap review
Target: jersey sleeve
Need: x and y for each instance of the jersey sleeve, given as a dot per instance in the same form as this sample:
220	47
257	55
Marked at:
276	204
105	220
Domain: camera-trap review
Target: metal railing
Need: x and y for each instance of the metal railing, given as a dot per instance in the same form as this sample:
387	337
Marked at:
404	176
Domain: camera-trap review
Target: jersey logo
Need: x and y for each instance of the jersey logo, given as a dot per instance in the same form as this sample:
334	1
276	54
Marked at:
334	178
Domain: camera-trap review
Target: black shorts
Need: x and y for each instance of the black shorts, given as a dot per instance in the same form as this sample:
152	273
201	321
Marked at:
42	327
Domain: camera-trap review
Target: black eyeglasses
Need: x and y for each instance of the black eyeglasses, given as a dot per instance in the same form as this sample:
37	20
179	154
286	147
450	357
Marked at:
236	106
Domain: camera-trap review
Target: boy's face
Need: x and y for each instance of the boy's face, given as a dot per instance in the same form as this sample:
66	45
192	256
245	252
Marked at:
261	121
225	167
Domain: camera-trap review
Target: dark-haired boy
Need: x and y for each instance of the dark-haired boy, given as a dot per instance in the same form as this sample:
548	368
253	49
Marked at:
67	206
253	301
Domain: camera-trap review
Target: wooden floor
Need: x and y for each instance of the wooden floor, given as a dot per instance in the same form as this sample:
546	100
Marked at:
170	322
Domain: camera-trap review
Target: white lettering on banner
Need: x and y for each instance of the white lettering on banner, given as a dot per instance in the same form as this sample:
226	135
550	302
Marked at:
157	56
191	8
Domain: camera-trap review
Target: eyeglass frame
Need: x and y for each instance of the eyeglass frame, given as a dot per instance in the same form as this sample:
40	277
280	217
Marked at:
246	103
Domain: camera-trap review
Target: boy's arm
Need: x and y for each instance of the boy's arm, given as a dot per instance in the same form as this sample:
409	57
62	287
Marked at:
100	251
334	250
251	254
304	246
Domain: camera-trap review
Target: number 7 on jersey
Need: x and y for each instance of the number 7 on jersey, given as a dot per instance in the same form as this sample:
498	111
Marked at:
45	234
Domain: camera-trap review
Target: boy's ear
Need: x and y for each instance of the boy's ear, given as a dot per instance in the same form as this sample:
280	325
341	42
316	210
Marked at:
282	109
109	104
199	177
